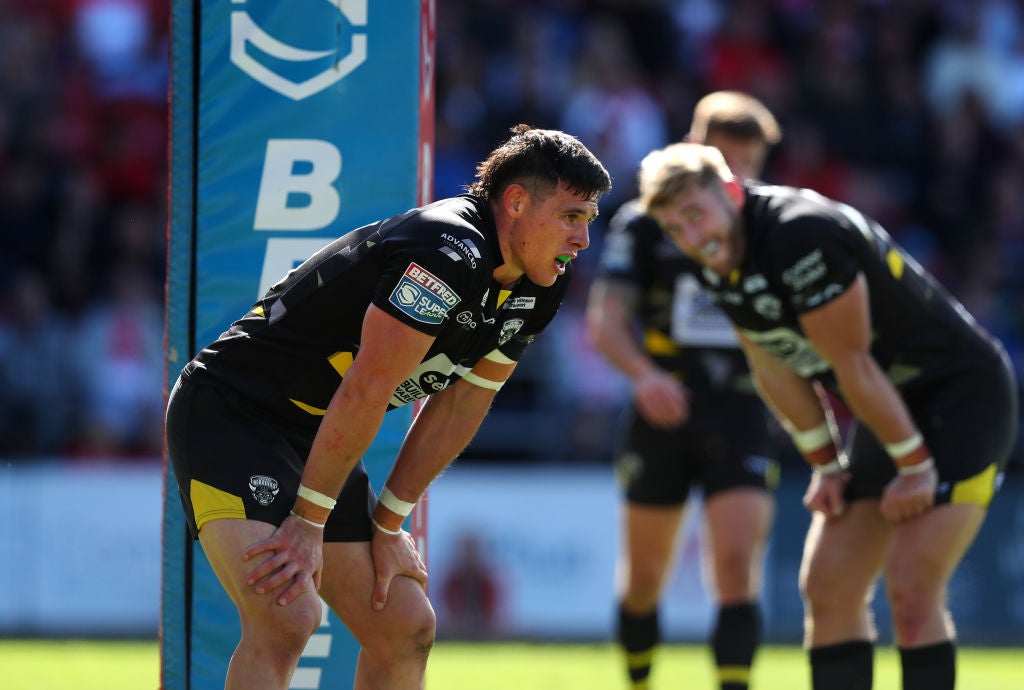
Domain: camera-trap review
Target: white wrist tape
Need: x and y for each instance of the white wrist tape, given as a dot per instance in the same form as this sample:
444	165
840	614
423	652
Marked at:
470	377
308	522
394	503
920	467
499	357
385	530
828	468
898	450
812	439
317	498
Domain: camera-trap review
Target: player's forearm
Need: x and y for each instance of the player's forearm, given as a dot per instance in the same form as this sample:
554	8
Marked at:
442	429
346	431
873	399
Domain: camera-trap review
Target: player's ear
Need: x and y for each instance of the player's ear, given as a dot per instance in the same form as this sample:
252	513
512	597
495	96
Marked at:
514	198
735	191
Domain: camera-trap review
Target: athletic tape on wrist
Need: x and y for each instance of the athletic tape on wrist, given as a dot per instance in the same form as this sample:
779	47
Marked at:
385	530
470	377
829	467
920	467
394	503
499	357
901	448
308	522
812	439
317	498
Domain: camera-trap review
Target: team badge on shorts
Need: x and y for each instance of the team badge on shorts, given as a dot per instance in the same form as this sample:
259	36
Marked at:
264	489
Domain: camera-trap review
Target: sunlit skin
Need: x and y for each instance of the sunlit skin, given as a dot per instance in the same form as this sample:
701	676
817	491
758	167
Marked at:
704	223
536	233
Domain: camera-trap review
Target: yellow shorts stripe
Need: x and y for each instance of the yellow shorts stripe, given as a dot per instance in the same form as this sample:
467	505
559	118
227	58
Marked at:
211	503
639	659
733	674
977	489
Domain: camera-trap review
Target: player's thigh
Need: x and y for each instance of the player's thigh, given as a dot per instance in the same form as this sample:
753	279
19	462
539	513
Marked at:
843	557
737	523
739	519
347	587
223	541
925	551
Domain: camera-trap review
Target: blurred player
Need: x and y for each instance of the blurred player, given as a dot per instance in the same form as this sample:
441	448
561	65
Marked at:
695	419
823	298
266	426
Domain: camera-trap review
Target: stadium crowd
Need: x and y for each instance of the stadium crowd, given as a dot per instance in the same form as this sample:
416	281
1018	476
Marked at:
911	110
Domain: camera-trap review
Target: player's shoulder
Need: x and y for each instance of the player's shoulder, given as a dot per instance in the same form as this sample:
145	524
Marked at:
461	228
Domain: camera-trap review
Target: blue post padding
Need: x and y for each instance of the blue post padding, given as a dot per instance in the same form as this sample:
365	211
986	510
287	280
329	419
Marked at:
321	100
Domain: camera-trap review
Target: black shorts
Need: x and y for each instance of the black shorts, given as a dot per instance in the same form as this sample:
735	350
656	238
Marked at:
720	447
970	425
230	461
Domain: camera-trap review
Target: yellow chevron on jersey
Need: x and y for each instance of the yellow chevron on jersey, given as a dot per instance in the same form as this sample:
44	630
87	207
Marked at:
895	261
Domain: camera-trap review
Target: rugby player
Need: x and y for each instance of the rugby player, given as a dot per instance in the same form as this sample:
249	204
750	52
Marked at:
824	300
694	420
266	427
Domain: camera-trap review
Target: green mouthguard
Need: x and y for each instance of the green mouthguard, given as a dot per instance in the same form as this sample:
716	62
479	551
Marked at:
564	258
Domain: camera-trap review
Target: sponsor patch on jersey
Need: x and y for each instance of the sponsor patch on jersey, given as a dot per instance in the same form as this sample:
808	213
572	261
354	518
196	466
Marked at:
768	306
430	376
521	303
423	296
809	268
460	250
755	283
795	351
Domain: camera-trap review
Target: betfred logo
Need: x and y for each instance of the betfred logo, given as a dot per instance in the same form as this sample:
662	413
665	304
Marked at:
423	296
433	284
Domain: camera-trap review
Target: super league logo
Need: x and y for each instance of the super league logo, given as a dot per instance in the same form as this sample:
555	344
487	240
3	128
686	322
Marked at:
245	33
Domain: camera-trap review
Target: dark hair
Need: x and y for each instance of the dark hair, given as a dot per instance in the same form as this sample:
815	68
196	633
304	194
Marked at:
540	159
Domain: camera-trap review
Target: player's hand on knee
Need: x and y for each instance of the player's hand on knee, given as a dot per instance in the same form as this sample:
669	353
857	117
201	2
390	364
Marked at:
292	563
825	494
394	555
908	496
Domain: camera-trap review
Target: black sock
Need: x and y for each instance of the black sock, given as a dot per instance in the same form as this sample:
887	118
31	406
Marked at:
929	668
843	666
638	635
735	638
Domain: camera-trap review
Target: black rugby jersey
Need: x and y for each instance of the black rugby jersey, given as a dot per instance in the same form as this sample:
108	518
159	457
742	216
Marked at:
683	331
431	268
804	250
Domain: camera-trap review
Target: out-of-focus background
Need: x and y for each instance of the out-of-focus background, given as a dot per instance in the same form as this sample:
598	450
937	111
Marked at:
911	110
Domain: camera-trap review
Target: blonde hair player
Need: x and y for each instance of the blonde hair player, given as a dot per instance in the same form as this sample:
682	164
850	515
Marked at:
823	299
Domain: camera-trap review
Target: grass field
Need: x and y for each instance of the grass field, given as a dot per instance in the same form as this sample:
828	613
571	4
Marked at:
80	665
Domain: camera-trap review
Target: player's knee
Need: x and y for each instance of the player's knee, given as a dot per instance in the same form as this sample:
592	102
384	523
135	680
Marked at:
913	607
643	586
824	590
283	631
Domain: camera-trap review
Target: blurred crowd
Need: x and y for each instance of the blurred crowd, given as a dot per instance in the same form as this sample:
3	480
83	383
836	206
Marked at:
911	110
83	141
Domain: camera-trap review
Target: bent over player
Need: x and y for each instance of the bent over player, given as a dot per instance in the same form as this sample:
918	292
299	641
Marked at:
695	418
822	297
266	427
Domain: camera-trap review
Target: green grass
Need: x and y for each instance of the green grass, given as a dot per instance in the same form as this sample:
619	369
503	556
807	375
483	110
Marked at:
91	665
